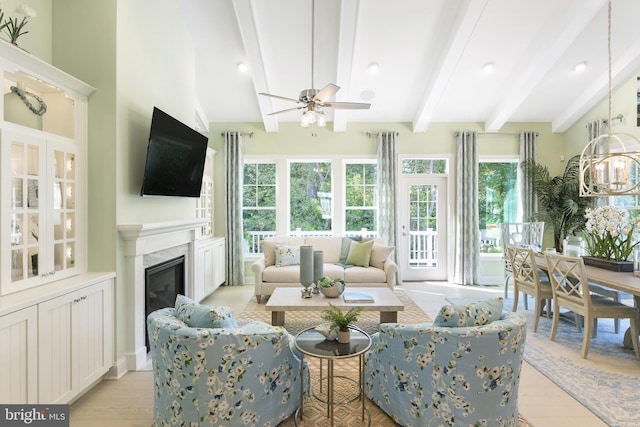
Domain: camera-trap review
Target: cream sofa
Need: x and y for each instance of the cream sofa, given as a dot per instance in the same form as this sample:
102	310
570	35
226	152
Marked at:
380	272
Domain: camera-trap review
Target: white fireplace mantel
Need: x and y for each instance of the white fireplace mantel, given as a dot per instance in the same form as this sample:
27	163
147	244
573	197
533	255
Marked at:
140	240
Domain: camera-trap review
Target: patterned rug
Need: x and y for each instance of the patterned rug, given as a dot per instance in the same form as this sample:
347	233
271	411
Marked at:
606	382
315	411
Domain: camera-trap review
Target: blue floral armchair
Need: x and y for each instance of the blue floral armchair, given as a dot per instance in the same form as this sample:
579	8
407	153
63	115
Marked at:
226	376
426	375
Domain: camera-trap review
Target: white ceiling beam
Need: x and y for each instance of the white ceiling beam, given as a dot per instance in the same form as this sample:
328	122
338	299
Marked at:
246	17
346	48
461	31
532	68
621	70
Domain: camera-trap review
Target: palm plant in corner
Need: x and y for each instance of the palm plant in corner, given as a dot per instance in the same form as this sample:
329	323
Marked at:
341	320
559	202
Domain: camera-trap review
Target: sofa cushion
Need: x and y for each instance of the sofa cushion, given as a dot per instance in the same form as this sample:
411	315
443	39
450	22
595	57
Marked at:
474	314
364	275
197	315
291	273
379	254
360	253
329	245
287	255
269	246
344	249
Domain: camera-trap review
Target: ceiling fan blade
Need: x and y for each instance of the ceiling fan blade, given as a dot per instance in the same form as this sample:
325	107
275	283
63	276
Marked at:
279	97
347	105
286	111
326	93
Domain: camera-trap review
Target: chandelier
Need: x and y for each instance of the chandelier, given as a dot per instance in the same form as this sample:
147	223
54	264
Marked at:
610	163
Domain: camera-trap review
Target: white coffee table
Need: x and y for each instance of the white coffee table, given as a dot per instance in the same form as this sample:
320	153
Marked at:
289	299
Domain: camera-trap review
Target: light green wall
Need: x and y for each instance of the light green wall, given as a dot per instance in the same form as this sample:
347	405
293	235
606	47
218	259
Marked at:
137	56
38	39
439	139
623	101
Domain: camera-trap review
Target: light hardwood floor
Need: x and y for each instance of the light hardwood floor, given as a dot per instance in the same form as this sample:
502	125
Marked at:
128	402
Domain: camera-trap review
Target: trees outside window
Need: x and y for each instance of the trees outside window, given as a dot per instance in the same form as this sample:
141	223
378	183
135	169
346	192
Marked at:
497	201
310	196
361	194
258	203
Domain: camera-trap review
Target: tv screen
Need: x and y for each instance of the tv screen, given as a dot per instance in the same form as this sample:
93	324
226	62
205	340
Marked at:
175	158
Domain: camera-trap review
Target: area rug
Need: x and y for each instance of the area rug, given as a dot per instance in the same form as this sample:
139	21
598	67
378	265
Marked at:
315	411
606	382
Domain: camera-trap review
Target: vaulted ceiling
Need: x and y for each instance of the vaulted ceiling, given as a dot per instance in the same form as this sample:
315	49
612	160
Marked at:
430	55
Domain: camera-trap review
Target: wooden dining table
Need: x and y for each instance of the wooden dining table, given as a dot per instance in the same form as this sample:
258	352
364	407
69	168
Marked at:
623	282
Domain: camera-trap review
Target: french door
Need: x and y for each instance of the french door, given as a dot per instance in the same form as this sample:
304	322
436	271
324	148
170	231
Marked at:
423	228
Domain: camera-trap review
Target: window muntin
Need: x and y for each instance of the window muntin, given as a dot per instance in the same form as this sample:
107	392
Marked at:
259	203
361	197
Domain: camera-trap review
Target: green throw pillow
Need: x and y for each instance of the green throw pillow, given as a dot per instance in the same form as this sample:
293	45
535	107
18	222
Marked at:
475	314
346	245
360	253
204	316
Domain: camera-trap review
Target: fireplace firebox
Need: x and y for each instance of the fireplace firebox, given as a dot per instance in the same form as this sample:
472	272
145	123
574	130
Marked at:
163	282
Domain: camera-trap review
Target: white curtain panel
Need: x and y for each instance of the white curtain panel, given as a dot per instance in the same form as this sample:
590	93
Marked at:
529	202
387	183
467	253
233	145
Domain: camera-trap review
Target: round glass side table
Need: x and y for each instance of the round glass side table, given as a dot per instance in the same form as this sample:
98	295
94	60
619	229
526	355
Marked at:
313	344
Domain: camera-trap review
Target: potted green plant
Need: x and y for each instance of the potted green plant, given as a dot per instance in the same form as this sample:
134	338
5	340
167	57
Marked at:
331	288
559	201
341	320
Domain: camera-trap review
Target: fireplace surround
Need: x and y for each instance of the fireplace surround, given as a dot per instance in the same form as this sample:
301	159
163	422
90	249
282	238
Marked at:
146	245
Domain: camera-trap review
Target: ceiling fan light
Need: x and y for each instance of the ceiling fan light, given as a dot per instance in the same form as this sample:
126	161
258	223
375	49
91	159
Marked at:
304	120
322	119
311	116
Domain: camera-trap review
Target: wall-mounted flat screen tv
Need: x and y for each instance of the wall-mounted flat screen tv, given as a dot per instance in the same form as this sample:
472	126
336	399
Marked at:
175	158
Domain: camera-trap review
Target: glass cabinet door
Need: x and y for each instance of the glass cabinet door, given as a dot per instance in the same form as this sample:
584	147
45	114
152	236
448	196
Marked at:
64	209
26	210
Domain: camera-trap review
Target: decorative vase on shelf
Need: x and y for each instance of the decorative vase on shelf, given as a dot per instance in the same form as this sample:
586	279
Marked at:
344	337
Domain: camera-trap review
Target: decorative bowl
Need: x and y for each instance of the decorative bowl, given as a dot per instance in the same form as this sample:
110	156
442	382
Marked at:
335	290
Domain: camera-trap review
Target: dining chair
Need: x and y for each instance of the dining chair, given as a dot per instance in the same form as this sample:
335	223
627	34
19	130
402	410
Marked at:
571	291
527	279
519	234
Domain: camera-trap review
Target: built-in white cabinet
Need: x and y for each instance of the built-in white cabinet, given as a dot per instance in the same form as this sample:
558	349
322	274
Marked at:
18	356
209	266
43	137
56	344
75	342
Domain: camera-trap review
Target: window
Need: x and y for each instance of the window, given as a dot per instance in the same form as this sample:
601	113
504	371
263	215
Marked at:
361	198
258	203
428	166
497	201
310	197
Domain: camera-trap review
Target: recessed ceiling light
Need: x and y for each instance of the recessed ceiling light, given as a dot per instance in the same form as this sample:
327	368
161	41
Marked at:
242	67
374	67
488	67
580	67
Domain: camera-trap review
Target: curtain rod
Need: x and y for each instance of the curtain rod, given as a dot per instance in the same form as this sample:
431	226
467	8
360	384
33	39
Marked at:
250	134
370	134
618	117
497	133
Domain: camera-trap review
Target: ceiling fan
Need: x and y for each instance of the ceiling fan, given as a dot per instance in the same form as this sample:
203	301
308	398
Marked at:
312	101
